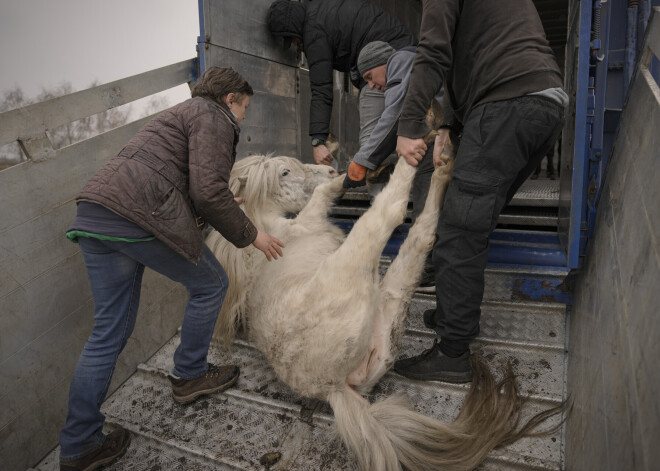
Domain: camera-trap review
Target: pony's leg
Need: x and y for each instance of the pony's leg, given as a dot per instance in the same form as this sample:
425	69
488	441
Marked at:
399	283
324	196
364	244
359	257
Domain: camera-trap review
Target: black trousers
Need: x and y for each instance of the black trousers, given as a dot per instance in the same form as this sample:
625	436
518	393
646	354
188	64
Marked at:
501	144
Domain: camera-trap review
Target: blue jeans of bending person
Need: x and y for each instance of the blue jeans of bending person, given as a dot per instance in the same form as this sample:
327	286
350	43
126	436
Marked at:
115	272
501	144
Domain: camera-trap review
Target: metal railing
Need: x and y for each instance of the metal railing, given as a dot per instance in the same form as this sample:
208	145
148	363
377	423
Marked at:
29	125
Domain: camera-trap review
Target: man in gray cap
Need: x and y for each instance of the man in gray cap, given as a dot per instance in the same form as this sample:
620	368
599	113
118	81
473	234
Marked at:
388	70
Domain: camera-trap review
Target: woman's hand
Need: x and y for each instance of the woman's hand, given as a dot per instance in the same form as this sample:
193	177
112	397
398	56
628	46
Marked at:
269	245
411	149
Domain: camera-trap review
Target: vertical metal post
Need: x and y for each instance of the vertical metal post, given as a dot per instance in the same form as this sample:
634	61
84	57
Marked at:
582	130
201	42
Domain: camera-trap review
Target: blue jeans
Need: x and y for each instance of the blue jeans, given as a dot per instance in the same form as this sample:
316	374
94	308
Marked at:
115	272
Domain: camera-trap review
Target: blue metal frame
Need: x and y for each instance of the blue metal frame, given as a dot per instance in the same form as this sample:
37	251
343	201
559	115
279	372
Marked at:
519	248
606	64
584	110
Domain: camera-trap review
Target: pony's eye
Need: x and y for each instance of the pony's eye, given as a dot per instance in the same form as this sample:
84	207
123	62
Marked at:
285	172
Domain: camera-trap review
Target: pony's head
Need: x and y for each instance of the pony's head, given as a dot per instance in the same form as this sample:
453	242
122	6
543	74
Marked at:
276	183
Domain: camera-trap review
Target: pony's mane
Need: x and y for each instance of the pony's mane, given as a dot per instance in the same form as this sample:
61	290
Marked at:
257	180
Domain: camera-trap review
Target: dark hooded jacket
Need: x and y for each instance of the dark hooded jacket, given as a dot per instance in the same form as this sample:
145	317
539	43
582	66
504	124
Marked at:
481	52
333	33
174	171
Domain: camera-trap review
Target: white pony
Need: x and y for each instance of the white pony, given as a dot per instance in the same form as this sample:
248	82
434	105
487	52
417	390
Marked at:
331	328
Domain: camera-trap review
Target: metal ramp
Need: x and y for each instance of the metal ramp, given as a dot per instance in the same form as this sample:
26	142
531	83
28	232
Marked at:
261	424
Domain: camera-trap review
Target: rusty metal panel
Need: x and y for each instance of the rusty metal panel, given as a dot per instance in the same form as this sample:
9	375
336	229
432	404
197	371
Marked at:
304	97
265	76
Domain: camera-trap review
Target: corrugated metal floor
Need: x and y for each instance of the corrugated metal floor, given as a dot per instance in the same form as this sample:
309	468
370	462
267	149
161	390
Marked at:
260	415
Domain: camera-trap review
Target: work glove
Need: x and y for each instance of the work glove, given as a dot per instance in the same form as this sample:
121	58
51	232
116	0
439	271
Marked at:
355	176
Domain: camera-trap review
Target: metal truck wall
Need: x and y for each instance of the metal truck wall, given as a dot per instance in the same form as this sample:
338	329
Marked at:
46	308
234	33
614	328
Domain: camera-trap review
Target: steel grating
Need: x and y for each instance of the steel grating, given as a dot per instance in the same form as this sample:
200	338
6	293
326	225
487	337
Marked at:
539	193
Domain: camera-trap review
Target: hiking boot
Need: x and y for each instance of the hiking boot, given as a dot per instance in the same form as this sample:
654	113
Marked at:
216	379
113	447
433	365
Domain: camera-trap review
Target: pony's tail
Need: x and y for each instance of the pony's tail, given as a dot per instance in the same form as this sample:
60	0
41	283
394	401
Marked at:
388	435
362	430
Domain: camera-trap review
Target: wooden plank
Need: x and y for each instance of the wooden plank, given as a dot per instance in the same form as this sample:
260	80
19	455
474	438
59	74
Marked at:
30	189
35	119
38	376
43	363
51	357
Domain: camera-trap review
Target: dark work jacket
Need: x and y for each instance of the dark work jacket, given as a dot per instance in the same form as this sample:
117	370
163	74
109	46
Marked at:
481	52
175	170
333	34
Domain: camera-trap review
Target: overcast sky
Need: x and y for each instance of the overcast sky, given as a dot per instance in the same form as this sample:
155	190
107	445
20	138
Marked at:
44	43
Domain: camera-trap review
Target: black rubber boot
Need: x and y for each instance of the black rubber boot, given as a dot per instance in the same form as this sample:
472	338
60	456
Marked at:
433	365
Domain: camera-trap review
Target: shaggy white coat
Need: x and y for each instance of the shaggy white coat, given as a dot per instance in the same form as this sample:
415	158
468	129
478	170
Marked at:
331	328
